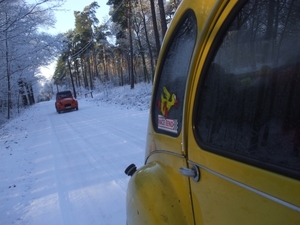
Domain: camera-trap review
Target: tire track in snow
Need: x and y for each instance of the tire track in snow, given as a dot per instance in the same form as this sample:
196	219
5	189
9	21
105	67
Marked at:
106	140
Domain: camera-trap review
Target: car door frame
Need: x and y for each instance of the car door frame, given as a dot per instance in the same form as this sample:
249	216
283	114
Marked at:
244	180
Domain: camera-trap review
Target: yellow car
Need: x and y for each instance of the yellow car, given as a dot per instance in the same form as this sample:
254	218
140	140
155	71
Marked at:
223	137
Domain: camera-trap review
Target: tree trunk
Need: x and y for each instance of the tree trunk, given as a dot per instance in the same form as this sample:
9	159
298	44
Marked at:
7	75
146	75
95	63
78	83
131	49
163	20
83	67
31	94
148	42
155	27
90	74
73	86
121	72
269	31
105	64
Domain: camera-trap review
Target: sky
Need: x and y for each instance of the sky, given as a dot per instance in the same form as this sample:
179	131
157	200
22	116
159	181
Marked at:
68	168
65	21
65	18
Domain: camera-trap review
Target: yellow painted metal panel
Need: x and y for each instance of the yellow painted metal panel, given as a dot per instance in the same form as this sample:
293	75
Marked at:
157	193
240	193
218	201
229	192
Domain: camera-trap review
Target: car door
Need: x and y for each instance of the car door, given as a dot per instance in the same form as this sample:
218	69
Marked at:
244	126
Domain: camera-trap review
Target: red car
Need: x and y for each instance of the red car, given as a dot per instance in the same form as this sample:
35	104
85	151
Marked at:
65	101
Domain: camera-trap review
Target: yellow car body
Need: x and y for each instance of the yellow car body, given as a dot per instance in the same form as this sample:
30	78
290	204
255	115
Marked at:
199	167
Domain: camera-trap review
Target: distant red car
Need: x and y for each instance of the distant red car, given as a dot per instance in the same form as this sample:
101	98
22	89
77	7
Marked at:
65	101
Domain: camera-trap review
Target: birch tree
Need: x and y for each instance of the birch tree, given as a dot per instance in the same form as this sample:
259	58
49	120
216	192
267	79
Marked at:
23	49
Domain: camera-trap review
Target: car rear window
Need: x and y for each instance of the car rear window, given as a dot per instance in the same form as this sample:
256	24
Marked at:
64	94
169	93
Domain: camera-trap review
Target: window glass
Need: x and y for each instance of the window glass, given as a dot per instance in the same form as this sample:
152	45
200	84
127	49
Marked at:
248	104
65	94
172	79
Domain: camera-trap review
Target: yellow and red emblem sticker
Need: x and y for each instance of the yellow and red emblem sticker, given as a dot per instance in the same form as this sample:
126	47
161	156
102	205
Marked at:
165	104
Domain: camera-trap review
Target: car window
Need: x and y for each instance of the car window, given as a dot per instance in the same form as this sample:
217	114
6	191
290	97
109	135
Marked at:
64	95
247	104
169	94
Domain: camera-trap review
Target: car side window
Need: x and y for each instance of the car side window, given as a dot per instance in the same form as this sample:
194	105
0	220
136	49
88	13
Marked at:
169	93
248	100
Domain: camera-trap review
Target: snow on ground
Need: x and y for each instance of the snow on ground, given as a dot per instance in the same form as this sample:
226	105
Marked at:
69	168
137	98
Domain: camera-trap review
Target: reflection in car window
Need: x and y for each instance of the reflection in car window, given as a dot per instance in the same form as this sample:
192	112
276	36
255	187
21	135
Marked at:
169	99
248	100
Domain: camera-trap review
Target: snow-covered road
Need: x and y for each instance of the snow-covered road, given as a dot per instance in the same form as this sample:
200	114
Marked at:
69	168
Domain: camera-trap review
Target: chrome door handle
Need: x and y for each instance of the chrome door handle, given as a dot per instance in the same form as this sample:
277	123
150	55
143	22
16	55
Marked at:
191	172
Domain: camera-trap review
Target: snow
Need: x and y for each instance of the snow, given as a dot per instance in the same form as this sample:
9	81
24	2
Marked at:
69	168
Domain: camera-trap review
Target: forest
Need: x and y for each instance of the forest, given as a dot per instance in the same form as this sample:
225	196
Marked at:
120	51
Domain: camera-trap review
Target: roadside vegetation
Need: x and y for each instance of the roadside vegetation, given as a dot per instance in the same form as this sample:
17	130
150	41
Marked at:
121	51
